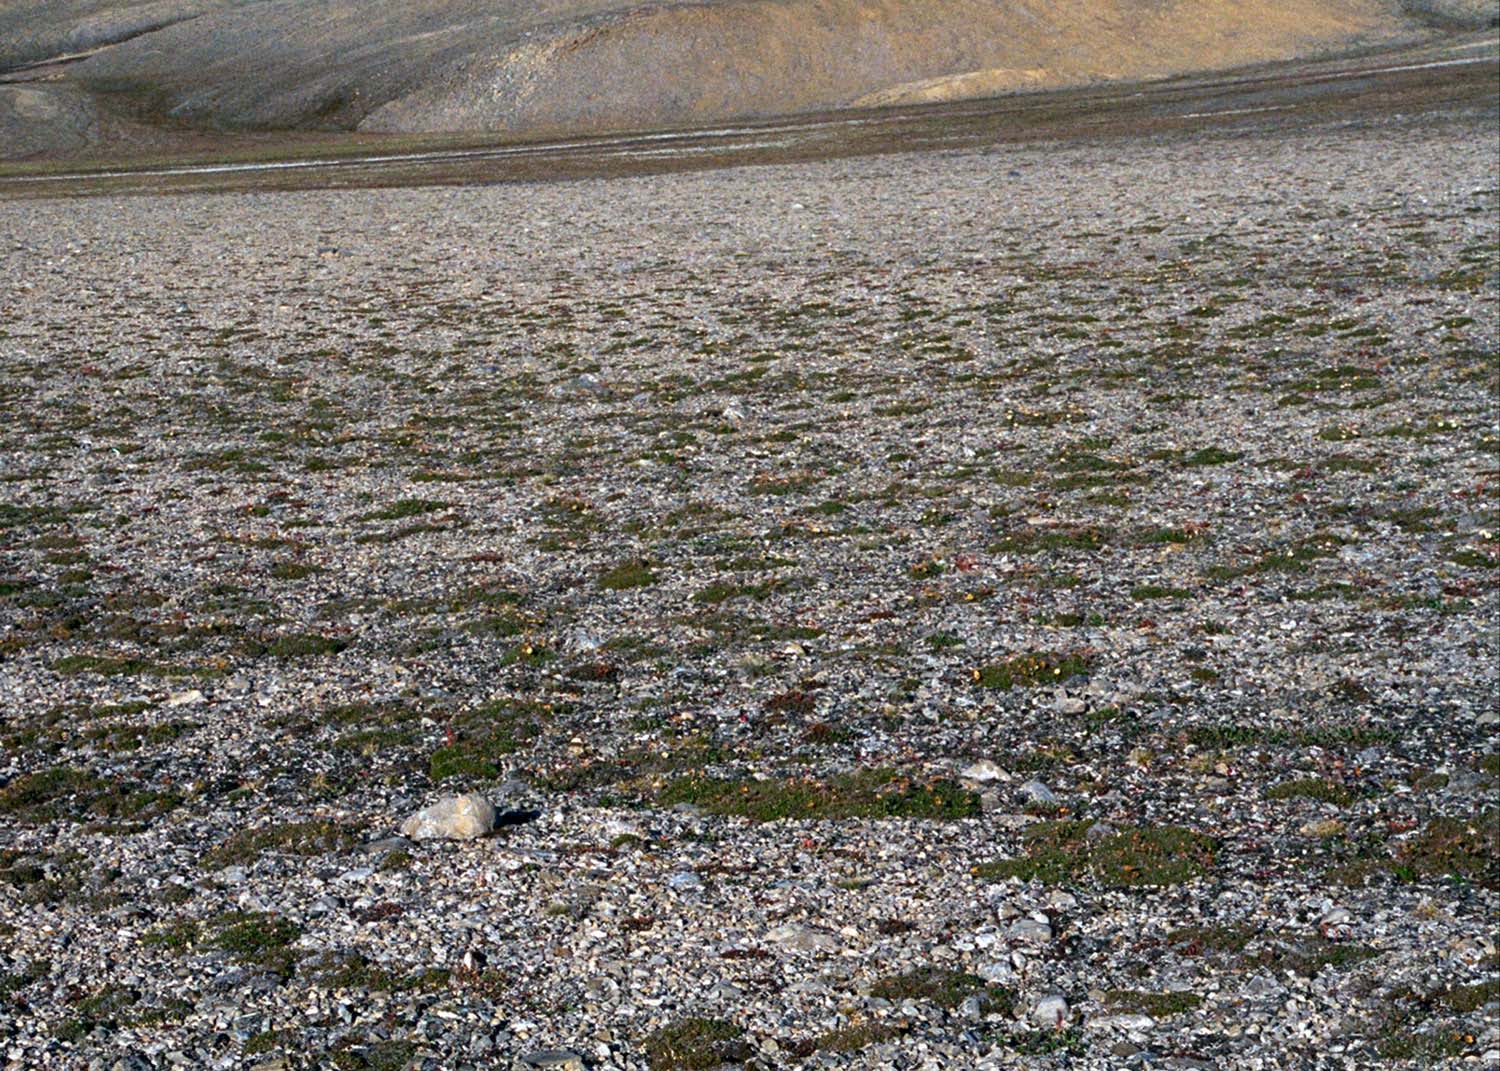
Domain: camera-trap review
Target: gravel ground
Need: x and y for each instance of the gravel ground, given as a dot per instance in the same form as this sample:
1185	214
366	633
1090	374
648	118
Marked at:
1030	608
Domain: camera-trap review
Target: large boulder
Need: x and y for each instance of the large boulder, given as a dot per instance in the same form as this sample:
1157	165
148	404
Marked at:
455	818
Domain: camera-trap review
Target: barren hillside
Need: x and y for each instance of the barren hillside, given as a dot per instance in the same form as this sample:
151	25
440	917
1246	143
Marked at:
85	71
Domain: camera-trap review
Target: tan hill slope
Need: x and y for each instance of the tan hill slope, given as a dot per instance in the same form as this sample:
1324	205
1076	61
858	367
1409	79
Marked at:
555	66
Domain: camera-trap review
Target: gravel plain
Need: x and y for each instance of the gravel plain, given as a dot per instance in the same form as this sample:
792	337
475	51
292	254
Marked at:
1023	608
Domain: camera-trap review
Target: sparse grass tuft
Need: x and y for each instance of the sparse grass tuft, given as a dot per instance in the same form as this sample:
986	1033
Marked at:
695	1044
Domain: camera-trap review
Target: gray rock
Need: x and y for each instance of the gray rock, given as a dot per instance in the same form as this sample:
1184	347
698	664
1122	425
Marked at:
1034	791
1049	1010
997	972
798	938
1336	916
455	818
983	772
555	1059
1030	932
386	844
1133	1023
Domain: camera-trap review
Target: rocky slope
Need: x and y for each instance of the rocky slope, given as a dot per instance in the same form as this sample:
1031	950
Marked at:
593	65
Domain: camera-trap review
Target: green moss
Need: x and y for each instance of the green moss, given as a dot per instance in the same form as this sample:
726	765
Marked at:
1156	1005
1197	940
1145	592
695	1044
258	939
268	1041
315	837
14	981
1425	1047
1220	737
399	859
1464	999
878	793
1466	849
1211	455
303	645
403	508
1313	788
293	570
722	591
631	574
528	653
1308	957
349	1055
937	985
70	792
355	971
1032	670
254	938
172	1010
853	1038
483	737
176	936
105	1007
105	666
1067	1042
1062	537
1061	851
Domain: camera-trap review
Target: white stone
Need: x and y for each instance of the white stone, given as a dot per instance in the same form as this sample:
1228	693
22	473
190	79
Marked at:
1030	932
1050	1010
1134	1024
997	972
983	772
1034	791
798	938
1336	916
455	818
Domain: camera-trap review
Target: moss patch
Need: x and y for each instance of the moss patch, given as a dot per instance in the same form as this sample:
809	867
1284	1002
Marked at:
316	837
868	794
1145	856
695	1044
1032	670
937	985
